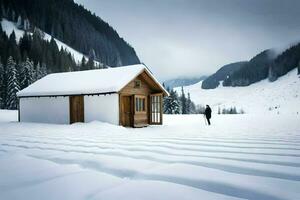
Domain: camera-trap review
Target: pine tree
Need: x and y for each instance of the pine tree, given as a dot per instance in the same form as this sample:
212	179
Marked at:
43	70
40	72
183	102
271	74
299	67
19	22
27	74
174	104
83	63
12	85
188	104
171	103
26	24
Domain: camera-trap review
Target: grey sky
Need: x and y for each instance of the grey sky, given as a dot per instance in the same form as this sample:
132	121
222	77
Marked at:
188	38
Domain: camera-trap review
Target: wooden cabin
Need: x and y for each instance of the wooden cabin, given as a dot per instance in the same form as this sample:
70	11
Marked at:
128	96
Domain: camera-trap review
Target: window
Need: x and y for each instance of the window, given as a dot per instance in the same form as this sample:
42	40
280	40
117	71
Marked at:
137	83
156	109
140	104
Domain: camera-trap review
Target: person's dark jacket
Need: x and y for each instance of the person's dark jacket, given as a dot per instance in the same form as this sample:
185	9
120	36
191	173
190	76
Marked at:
208	112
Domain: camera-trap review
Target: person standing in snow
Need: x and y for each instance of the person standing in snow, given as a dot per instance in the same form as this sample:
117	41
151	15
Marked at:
207	114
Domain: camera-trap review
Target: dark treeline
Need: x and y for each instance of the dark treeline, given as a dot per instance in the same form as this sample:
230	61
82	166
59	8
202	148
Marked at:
264	65
231	110
253	71
181	104
74	25
213	81
25	61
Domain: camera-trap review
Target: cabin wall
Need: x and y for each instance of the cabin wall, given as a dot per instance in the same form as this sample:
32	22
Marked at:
45	110
139	119
102	108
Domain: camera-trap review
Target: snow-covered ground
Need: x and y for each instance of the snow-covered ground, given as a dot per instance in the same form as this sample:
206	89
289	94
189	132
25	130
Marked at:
9	27
8	116
238	157
281	96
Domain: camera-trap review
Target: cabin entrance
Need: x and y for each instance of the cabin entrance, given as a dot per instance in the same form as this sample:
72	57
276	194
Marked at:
127	111
156	109
76	109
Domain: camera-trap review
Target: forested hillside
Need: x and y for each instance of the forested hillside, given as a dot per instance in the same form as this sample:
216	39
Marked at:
213	81
30	50
73	25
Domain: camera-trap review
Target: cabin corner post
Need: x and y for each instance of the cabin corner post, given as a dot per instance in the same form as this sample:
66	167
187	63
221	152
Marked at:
19	116
161	109
120	114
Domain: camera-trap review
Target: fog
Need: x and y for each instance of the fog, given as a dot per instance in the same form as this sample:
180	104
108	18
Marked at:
190	38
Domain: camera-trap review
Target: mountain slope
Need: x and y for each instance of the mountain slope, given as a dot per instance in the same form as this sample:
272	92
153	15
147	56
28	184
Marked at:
178	82
8	27
253	71
282	96
73	25
213	81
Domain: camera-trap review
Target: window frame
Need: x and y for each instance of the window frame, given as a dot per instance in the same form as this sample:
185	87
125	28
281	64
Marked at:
137	83
140	104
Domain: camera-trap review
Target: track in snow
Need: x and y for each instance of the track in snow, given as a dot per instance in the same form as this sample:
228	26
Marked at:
137	163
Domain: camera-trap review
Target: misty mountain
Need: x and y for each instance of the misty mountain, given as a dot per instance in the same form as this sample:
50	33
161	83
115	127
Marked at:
266	64
213	81
178	82
253	71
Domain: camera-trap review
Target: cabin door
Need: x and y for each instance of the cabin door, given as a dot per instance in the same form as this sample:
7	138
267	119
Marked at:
76	109
126	108
156	109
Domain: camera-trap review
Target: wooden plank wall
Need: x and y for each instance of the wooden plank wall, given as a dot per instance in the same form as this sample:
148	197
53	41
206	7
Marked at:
147	87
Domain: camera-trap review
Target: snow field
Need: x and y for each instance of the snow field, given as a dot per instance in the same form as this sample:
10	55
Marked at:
238	157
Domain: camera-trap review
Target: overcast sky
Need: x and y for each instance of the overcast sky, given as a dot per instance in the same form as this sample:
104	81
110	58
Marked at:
190	38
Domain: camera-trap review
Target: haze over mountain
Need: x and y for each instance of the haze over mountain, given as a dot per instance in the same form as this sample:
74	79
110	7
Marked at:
196	37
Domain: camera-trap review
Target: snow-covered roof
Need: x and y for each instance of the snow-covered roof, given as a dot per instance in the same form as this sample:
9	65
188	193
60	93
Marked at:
86	82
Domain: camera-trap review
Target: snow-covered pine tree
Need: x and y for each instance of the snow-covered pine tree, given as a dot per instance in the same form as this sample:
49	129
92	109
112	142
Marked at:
166	101
19	22
91	62
12	84
188	104
26	24
27	74
183	102
37	71
43	71
173	106
40	71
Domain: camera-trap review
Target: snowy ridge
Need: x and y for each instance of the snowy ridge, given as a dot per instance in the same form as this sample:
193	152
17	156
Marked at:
9	27
184	159
281	96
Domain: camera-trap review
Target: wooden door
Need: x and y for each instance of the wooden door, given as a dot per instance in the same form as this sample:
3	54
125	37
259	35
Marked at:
156	109
76	109
127	112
